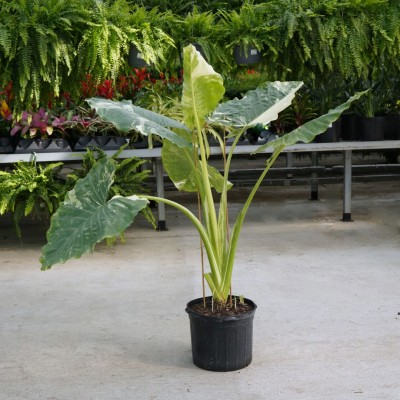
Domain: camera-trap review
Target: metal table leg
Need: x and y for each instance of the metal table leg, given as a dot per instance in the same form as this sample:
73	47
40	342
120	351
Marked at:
314	177
347	187
159	172
289	164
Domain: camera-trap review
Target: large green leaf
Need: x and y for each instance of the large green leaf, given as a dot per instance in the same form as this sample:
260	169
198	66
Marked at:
86	218
261	105
307	132
126	117
185	173
203	88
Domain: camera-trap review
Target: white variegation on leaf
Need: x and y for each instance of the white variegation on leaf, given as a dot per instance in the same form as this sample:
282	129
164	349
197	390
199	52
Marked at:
259	106
86	217
127	117
203	88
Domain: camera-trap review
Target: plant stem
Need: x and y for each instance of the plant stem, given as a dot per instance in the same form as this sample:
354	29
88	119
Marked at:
240	219
200	229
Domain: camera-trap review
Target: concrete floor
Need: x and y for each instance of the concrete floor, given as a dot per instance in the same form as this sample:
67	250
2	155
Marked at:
112	325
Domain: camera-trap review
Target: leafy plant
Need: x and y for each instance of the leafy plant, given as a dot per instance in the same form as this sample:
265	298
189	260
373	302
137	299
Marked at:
40	124
29	188
129	177
237	85
248	27
105	39
82	220
38	40
150	37
200	29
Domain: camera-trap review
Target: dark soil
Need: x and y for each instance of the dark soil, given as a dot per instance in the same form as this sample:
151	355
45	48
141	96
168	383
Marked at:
222	309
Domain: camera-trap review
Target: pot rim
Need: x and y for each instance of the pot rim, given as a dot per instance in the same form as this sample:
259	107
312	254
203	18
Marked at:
245	315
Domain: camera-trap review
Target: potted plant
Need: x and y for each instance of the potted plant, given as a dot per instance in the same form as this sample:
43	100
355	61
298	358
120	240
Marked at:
185	154
39	131
85	130
246	33
201	30
373	108
38	46
149	43
31	189
327	91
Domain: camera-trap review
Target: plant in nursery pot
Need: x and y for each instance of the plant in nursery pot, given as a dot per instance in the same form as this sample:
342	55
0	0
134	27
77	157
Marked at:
149	44
247	33
201	30
39	132
221	323
373	108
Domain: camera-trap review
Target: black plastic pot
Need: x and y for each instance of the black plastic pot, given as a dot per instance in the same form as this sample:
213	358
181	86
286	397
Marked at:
243	57
332	134
6	145
352	127
135	58
42	146
374	128
392	127
101	142
221	343
199	48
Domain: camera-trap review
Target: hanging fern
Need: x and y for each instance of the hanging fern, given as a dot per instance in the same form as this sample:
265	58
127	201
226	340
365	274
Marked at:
39	41
29	188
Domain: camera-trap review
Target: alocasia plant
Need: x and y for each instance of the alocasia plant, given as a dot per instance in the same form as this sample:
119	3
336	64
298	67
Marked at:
86	218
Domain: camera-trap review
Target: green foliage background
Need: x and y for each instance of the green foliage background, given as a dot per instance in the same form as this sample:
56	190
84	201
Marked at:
48	46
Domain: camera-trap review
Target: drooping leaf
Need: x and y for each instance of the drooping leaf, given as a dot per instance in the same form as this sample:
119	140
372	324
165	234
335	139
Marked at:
86	217
126	117
307	132
261	105
203	88
181	167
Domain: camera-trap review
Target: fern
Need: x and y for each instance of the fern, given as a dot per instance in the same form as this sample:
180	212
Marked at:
30	187
38	34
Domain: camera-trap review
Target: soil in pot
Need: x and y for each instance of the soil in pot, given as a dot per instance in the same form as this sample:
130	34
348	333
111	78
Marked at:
222	338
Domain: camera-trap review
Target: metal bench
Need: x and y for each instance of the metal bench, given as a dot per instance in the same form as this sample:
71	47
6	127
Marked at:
155	155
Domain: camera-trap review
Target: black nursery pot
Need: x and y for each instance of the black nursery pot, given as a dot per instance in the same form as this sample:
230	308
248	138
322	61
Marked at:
221	343
6	145
332	134
352	127
135	58
374	128
252	56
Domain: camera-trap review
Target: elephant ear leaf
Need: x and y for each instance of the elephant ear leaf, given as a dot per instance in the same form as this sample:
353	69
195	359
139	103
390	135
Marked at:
307	132
203	88
259	106
127	117
86	217
184	170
